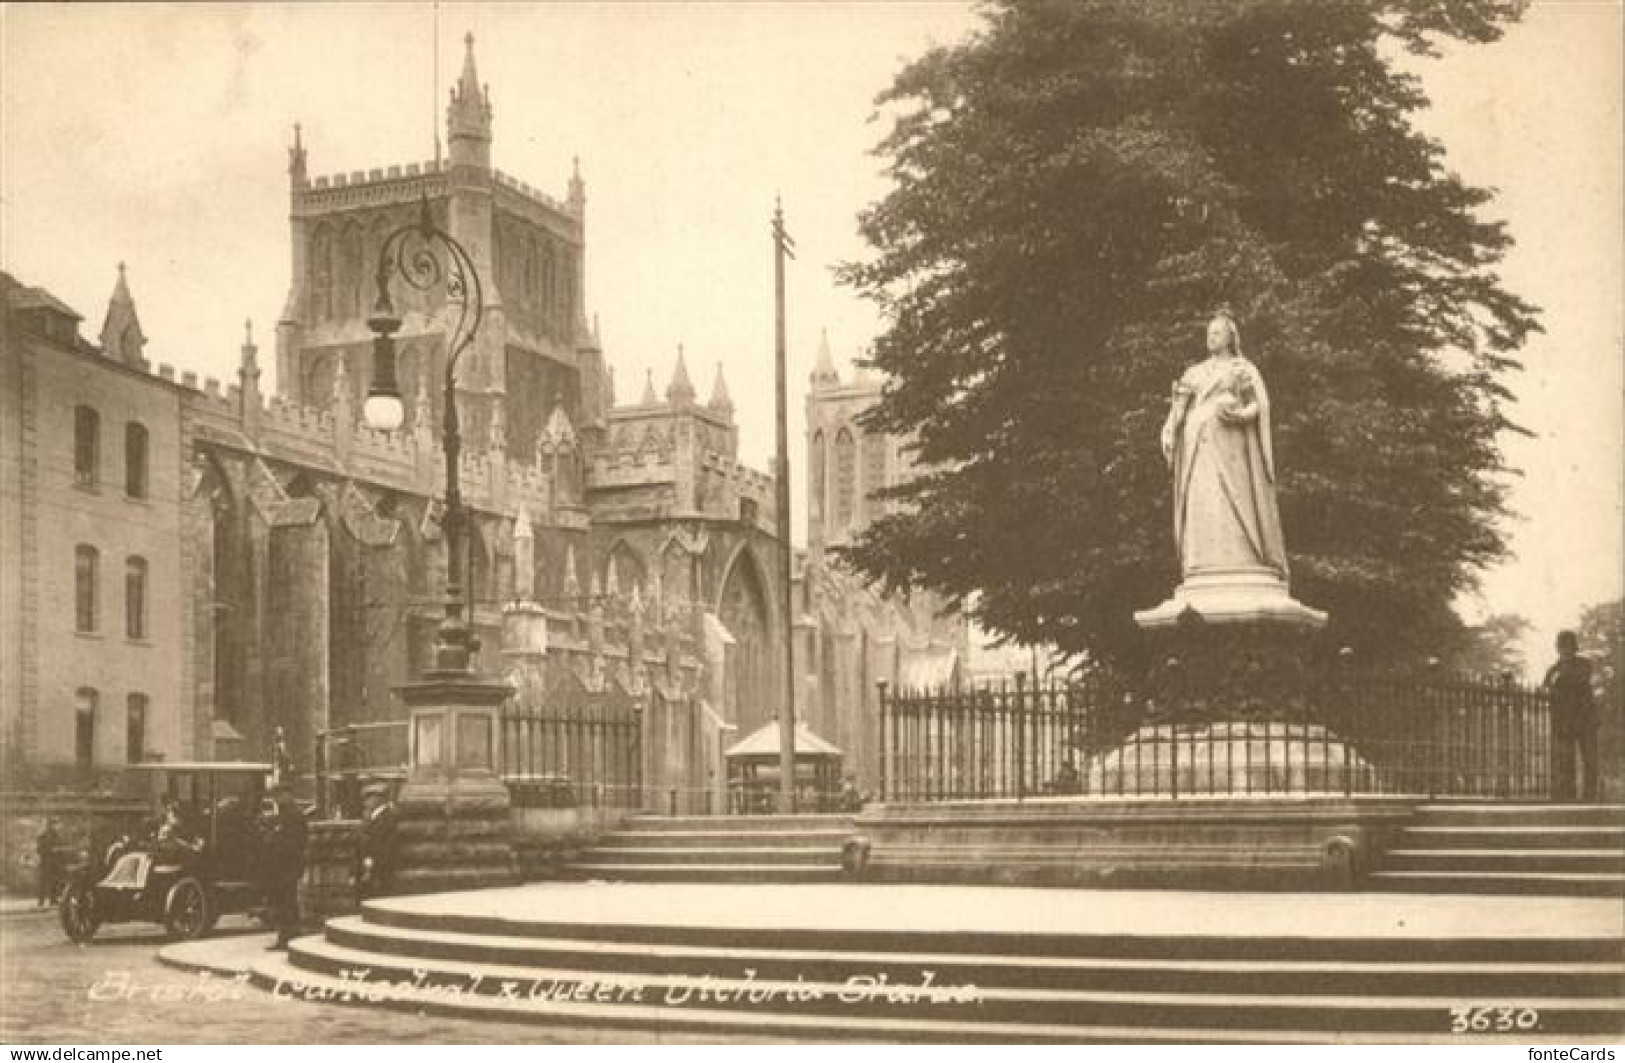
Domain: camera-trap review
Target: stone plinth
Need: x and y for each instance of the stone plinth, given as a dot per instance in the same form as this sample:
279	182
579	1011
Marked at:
1252	595
453	830
1251	843
1230	759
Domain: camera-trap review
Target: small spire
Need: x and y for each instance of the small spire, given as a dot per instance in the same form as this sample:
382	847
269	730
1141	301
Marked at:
720	400
422	409
680	392
341	383
248	366
121	329
498	430
649	396
578	187
470	111
824	372
296	155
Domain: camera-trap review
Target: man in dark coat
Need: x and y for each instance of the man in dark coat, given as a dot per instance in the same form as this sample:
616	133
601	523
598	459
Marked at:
1574	721
374	877
46	847
282	861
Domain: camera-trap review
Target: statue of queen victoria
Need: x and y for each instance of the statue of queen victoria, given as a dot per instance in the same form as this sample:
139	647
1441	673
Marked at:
1227	523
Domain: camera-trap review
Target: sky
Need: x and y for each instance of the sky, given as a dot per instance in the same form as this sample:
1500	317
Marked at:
156	135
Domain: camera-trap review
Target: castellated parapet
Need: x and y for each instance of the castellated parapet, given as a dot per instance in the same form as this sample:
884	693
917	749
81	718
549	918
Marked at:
375	188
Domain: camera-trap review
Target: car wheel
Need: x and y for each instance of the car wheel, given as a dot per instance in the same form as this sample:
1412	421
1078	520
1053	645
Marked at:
78	914
189	911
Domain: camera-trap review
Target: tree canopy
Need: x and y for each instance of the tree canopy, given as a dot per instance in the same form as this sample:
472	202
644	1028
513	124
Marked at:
1075	189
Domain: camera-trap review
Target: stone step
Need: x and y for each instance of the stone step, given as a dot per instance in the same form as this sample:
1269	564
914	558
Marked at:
1487	836
1534	860
740	824
1543	883
714	839
675	872
1497	814
1263	976
1019	1009
276	973
675	926
798	855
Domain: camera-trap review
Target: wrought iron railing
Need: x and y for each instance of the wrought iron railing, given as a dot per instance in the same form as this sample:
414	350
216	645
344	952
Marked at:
1430	735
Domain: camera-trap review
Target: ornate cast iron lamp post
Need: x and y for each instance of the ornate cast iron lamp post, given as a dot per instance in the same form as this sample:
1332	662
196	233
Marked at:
414	253
454	806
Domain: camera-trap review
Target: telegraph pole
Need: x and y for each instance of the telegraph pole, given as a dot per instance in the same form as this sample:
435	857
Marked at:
784	246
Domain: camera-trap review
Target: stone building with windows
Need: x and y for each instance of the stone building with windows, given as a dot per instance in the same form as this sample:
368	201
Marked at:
94	641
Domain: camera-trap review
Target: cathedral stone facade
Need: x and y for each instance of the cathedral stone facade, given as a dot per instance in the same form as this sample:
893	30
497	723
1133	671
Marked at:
619	551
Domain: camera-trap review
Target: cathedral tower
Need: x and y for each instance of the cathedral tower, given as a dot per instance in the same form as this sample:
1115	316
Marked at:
528	248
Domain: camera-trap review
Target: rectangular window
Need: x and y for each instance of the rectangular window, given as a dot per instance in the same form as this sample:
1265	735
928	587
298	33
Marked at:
135	460
135	598
87	426
84	727
135	728
86	561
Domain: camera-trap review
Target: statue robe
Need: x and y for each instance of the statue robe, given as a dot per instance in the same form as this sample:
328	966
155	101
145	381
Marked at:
1226	518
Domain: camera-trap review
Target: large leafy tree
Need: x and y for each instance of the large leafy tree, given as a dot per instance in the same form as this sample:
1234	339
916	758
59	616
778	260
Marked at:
1075	189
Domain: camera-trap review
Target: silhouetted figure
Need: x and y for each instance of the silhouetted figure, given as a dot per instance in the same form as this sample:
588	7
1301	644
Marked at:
375	878
47	846
1574	721
282	861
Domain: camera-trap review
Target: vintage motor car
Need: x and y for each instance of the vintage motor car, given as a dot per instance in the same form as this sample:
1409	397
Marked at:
184	880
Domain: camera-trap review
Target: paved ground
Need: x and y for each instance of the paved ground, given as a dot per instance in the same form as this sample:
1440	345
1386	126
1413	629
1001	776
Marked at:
114	991
1004	909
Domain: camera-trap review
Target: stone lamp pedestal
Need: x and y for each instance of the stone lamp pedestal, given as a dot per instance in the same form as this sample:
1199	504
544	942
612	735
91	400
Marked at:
453	827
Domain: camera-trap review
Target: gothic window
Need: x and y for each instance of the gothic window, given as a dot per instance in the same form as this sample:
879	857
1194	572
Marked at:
84	726
135	727
550	281
815	476
87	431
86	561
135	459
531	295
749	690
568	310
846	459
874	473
629	568
135	598
321	274
349	272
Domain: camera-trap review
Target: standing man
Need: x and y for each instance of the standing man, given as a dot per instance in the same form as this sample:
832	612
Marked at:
1574	720
46	846
283	861
374	878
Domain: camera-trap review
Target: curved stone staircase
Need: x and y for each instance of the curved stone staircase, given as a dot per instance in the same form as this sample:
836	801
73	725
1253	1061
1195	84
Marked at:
686	959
